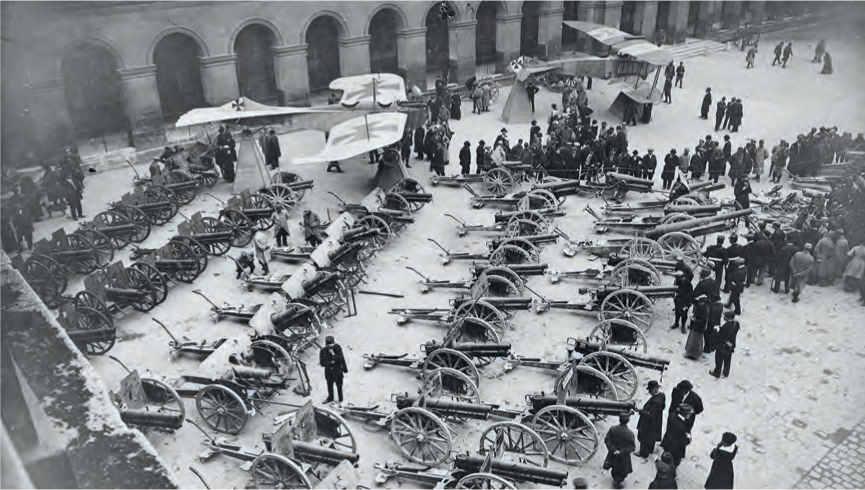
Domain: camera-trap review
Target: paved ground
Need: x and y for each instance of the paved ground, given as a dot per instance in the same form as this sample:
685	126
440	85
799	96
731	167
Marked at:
843	466
796	380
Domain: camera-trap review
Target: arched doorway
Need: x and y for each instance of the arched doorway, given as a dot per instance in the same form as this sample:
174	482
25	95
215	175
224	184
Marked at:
322	58
94	95
485	40
383	55
529	28
437	41
626	23
569	36
178	75
255	76
661	31
693	17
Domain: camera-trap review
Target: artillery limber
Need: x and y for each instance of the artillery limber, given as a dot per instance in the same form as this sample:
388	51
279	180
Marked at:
536	199
91	330
309	442
148	402
158	203
73	252
117	287
210	234
175	260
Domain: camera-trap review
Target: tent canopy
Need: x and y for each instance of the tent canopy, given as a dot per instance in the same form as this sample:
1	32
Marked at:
242	109
360	135
623	43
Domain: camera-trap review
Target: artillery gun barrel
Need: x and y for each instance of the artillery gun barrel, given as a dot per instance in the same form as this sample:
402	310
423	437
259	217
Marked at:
630	179
482	350
505	216
552	186
315	453
594	406
701	186
448	407
638	360
89	336
168	420
513	471
693	210
707	229
661	230
128	294
250	372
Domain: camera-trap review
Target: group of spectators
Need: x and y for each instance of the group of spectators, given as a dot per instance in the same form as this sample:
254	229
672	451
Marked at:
811	151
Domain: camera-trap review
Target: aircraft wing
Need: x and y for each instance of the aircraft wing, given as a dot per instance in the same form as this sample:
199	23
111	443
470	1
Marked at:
379	89
359	136
524	66
243	109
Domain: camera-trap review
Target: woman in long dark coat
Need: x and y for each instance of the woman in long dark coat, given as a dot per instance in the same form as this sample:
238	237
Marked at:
456	109
721	475
827	65
699	322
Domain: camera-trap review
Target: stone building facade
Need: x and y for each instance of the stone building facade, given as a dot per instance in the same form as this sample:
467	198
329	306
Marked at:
79	70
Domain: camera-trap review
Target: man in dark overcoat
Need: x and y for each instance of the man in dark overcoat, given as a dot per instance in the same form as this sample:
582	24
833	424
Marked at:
651	421
678	434
725	344
332	360
620	444
683	394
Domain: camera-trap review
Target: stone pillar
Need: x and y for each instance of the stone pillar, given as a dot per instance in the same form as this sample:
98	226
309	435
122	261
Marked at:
677	23
550	30
462	50
648	18
292	73
48	116
219	78
705	18
732	15
612	11
589	12
142	106
508	37
758	13
411	50
354	55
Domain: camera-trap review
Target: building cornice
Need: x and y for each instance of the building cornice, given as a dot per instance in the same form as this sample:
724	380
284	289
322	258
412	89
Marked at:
134	72
218	60
292	50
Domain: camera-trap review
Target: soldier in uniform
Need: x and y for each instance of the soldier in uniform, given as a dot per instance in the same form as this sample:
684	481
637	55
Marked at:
719	254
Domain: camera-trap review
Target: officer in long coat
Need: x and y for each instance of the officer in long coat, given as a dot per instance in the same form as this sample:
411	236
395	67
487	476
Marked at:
620	444
651	422
332	360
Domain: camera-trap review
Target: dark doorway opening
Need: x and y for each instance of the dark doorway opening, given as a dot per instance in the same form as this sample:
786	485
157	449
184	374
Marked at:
322	37
485	41
178	75
256	78
529	28
626	24
437	42
94	94
383	54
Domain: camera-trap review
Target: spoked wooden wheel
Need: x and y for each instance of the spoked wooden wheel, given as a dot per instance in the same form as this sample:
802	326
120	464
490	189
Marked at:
216	247
484	311
375	243
499	287
524	244
86	299
619	333
498	181
511	254
305	320
582	380
524	227
629	305
264	221
449	358
410	186
639	261
280	195
678	243
477	331
166	203
106	220
196	247
421	436
392	200
351	272
156	279
538	199
330	300
485	480
289	178
186	192
642	248
93	258
569	435
450	383
48	286
240	225
270	355
506	273
183	272
333	431
634	274
138	280
522	443
137	218
221	409
92	319
52	265
162	398
272	470
684	201
618	369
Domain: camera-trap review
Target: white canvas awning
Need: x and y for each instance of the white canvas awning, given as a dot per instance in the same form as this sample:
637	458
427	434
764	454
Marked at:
359	136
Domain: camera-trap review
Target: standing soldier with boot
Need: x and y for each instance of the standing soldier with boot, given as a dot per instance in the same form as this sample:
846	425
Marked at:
332	360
